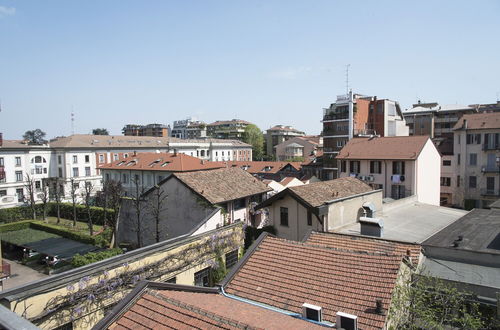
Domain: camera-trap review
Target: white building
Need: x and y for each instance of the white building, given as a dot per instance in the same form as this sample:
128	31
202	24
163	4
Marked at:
77	158
401	166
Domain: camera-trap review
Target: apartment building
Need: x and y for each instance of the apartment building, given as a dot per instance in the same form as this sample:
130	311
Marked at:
477	155
401	166
357	115
146	130
279	134
189	129
227	129
213	149
299	147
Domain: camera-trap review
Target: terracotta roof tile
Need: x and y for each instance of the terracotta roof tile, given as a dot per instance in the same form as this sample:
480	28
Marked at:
221	185
288	274
318	193
486	120
393	147
257	167
170	162
178	309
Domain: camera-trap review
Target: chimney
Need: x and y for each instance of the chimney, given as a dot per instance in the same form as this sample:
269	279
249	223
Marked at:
465	124
379	309
135	153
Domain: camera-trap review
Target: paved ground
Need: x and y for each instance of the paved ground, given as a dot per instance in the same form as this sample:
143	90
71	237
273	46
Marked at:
21	274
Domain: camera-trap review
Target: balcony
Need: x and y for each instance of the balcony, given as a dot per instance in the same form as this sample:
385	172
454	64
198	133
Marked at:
365	131
490	169
491	146
335	116
490	192
5	270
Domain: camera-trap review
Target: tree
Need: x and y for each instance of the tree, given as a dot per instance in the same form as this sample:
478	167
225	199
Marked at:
86	196
427	302
56	192
36	136
138	207
73	191
44	197
253	136
112	193
100	131
29	184
155	205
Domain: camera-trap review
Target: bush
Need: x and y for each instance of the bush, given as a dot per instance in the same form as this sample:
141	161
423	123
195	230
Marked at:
252	233
92	257
15	226
66	211
66	233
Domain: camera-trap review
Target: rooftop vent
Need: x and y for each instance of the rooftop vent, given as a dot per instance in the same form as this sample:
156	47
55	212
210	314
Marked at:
312	312
371	226
346	321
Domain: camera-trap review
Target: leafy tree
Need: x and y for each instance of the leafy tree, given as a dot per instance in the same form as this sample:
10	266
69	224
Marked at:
100	131
427	302
36	136
253	136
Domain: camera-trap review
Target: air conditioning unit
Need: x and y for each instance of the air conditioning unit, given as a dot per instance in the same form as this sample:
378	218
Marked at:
370	178
362	177
402	178
312	312
346	321
354	175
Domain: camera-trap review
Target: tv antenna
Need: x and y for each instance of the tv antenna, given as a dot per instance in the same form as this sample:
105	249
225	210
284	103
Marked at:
72	121
347	78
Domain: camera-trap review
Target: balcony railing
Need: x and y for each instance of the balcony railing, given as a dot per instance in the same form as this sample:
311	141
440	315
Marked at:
5	270
335	116
365	132
490	169
490	192
491	146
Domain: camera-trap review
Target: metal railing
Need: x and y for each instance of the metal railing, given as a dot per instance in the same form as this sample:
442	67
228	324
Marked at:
490	192
365	131
491	146
490	169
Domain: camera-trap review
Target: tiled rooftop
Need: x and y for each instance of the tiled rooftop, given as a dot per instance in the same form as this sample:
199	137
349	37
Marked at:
485	120
367	244
152	161
178	309
221	185
318	193
256	167
393	147
288	274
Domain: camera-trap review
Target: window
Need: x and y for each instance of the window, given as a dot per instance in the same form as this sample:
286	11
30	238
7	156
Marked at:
137	179
76	185
18	161
202	278
458	139
101	158
398	168
87	159
309	218
458	159
59	159
125	178
469	138
446	162
115	157
38	185
239	204
472	181
231	258
3	193
473	159
44	170
75	159
75	172
1	162
87	171
124	155
284	216
477	138
458	180
172	280
343	166
490	184
354	166
19	176
20	195
445	182
375	167
59	171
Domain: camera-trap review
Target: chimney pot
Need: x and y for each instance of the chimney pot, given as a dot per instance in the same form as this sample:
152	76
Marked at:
379	309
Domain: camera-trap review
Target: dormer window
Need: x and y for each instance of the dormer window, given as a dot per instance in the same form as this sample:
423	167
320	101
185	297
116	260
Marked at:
267	168
155	162
120	163
165	164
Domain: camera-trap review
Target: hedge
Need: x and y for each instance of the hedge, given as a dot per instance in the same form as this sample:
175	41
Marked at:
91	257
15	226
97	240
66	211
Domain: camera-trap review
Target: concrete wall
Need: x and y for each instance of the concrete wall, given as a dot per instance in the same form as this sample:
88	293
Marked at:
428	174
345	212
181	212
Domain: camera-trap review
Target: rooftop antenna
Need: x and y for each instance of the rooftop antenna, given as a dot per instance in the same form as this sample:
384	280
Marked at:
72	121
498	99
347	78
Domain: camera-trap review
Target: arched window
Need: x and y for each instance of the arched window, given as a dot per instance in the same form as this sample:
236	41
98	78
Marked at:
38	160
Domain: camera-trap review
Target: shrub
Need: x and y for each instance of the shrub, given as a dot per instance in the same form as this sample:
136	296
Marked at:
15	226
92	257
252	233
66	233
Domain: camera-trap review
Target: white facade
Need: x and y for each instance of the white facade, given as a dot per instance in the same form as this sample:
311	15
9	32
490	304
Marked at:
214	150
420	177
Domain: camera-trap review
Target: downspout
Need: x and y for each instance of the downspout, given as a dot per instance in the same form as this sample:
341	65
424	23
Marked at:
385	178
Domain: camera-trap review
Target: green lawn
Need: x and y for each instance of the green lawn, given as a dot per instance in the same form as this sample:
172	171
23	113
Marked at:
81	227
23	236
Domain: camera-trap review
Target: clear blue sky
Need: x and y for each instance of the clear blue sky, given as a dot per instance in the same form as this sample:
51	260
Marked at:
269	62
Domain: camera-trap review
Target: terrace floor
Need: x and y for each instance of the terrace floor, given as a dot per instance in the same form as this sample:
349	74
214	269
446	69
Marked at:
21	274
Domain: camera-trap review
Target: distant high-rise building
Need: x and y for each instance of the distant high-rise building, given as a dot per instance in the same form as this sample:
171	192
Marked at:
227	129
357	115
145	130
189	129
279	134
